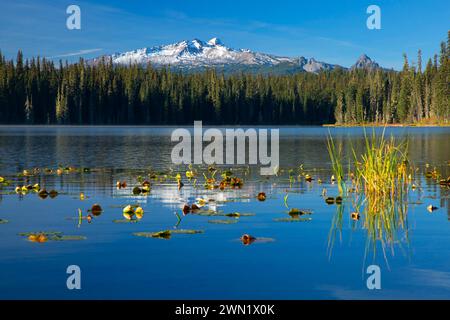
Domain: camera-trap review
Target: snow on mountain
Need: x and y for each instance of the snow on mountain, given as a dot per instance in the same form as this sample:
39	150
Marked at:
196	53
192	54
214	42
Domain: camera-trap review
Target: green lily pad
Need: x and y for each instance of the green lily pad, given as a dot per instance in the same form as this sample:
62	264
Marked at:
228	221
54	236
296	211
66	238
124	221
46	233
3	221
206	213
292	219
220	214
166	234
186	231
238	214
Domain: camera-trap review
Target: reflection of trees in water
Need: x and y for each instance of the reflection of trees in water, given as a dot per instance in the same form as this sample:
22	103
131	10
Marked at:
102	183
117	147
444	199
81	150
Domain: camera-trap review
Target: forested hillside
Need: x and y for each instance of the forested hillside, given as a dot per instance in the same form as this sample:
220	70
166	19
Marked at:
39	92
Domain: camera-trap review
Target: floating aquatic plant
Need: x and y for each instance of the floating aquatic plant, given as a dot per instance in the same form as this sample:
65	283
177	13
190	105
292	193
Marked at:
248	239
166	234
230	215
146	186
133	212
43	194
445	182
190	174
124	221
201	201
50	236
37	237
355	216
96	209
137	190
121	184
223	221
53	193
297	219
261	196
298	212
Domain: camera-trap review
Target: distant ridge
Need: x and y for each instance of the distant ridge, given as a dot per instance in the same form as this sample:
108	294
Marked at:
195	54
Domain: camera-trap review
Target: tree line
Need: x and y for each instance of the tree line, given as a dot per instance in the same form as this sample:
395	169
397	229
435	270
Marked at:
37	91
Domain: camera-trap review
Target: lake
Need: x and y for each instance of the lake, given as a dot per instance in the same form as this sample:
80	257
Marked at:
292	258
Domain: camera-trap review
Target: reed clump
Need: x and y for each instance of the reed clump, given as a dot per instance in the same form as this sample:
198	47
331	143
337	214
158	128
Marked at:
382	169
379	177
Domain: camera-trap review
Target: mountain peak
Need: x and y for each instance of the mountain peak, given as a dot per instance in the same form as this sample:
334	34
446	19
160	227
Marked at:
214	41
365	62
364	57
314	66
197	54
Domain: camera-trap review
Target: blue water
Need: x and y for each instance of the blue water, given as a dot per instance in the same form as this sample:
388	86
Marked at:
296	264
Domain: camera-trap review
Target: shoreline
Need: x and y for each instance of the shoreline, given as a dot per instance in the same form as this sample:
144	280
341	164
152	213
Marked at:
400	125
394	125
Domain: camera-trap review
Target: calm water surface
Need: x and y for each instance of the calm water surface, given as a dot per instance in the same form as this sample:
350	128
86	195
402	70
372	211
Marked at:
297	264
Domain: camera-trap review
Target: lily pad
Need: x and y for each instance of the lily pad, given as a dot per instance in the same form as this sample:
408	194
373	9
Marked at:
292	219
3	221
219	214
299	212
186	231
247	239
47	233
96	209
263	240
233	214
227	221
166	234
67	238
207	213
44	236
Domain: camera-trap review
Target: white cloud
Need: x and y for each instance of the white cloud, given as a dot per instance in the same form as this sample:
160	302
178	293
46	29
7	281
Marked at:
76	53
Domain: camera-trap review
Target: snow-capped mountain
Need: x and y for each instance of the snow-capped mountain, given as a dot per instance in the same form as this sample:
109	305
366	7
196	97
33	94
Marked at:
197	54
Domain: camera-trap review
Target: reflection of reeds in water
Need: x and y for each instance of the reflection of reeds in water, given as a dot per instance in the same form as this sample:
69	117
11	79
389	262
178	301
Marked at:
379	189
338	169
336	227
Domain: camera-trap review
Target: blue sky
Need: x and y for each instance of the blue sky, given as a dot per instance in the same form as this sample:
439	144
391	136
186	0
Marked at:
331	31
